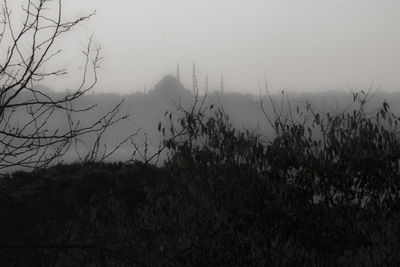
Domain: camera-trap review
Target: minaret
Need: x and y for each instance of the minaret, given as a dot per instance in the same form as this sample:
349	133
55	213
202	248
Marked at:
222	83
178	76
194	78
206	84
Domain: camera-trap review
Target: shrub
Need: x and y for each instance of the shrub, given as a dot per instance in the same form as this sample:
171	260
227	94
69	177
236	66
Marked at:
322	192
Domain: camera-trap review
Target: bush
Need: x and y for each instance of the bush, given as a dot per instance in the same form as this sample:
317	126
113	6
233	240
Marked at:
322	192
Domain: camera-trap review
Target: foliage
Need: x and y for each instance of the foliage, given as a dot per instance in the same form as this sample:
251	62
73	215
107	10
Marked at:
323	192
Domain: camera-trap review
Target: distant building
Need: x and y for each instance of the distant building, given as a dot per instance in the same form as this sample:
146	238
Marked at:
194	79
178	75
222	83
169	85
206	89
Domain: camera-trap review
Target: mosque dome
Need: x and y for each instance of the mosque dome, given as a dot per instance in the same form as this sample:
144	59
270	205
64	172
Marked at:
170	85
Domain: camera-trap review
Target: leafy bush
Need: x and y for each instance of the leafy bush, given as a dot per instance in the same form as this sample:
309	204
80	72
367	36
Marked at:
323	192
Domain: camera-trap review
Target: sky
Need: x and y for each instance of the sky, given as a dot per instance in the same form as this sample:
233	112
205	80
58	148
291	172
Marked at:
299	45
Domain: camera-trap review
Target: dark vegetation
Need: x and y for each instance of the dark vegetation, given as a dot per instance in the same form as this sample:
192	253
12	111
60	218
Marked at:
323	192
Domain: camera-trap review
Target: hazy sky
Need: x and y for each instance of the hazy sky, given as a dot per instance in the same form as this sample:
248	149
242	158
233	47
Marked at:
305	45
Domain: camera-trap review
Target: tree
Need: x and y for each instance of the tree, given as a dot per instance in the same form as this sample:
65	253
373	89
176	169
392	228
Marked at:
28	43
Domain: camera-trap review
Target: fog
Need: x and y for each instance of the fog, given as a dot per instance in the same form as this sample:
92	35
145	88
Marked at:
307	45
316	51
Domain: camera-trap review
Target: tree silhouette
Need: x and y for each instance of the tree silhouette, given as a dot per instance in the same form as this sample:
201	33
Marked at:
27	40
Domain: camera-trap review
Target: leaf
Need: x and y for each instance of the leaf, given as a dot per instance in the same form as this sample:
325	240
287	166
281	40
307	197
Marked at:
355	96
317	118
385	106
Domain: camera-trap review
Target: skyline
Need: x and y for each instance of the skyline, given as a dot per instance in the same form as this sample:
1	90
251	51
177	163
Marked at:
305	45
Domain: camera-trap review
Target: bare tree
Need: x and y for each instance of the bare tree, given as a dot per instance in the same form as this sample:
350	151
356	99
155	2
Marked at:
27	45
